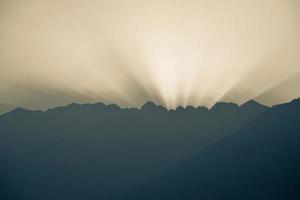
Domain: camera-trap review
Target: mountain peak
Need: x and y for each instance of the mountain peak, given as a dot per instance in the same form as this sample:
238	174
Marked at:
20	109
251	104
297	101
17	111
190	108
99	104
149	106
224	106
180	108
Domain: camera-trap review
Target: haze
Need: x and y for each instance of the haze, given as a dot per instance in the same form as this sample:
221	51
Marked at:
189	52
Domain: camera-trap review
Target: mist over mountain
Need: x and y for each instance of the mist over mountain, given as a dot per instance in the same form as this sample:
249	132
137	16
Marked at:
97	151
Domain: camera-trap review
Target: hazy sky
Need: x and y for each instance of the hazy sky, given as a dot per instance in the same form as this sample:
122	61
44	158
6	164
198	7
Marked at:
173	52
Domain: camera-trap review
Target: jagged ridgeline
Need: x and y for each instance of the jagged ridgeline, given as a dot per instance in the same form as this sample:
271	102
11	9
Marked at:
97	151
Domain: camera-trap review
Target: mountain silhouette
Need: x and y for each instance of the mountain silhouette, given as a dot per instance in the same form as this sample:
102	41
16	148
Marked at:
251	104
259	161
98	151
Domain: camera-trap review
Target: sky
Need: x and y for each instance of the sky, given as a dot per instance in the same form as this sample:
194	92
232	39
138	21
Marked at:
171	52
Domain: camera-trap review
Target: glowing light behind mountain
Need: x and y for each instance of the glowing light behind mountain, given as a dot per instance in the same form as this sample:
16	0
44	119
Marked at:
130	51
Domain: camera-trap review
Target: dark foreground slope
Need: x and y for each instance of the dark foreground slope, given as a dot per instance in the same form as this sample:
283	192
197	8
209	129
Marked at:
94	151
260	161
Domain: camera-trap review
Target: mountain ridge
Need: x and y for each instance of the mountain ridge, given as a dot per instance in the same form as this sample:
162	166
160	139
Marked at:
98	151
258	161
149	105
87	146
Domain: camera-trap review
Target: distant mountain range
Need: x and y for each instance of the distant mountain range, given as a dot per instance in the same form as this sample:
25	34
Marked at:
97	151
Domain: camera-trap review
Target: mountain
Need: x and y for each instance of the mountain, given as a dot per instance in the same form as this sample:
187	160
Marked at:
252	105
97	151
259	161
